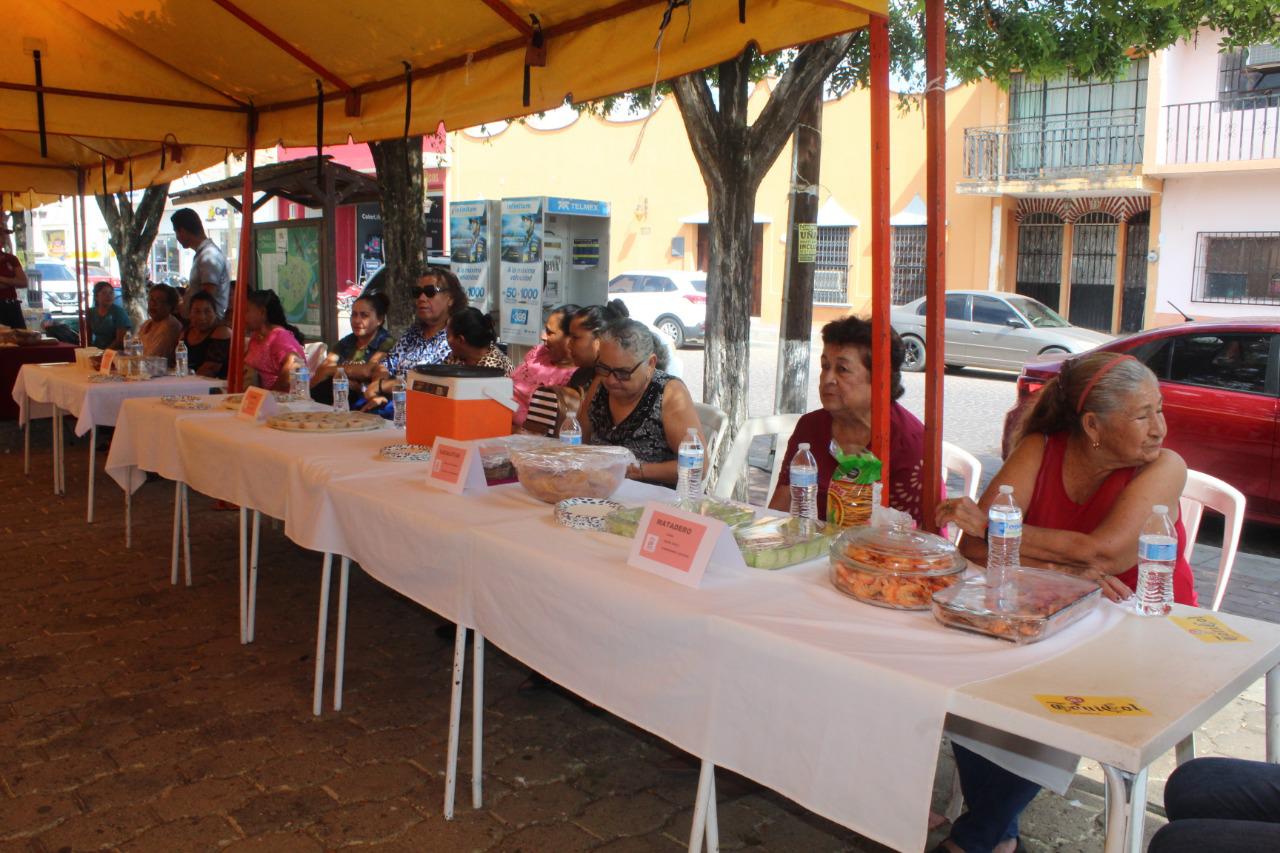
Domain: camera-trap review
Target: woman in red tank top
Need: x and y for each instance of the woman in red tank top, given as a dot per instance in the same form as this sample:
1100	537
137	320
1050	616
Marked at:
1086	471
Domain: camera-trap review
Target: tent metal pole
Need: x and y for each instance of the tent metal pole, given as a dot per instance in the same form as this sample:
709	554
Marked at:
881	398
235	372
77	238
87	295
935	248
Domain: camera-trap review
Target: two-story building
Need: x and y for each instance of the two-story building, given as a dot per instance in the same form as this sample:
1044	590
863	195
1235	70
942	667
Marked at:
1114	201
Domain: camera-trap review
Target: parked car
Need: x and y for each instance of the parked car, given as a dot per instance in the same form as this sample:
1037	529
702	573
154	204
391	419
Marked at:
1221	383
672	300
58	287
1001	331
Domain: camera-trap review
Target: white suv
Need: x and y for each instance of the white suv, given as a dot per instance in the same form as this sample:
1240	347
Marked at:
672	300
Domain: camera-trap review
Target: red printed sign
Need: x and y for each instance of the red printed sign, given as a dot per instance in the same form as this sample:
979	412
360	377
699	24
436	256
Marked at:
108	356
455	467
256	403
679	545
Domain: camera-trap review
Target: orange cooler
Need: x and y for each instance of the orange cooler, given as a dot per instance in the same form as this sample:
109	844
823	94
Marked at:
458	402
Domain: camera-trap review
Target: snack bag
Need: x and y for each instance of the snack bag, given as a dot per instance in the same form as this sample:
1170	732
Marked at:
849	497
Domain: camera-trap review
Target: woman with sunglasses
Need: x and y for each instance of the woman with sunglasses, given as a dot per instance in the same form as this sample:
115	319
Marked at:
438	295
634	404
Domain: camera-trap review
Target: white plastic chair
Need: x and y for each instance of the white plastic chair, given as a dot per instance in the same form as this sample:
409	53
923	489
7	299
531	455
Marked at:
315	354
957	460
1203	491
715	423
735	463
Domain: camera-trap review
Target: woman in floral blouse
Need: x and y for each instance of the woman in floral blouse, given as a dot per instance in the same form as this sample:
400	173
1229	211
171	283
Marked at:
438	295
474	341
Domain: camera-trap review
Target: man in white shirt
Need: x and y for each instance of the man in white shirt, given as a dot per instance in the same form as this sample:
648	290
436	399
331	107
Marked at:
209	270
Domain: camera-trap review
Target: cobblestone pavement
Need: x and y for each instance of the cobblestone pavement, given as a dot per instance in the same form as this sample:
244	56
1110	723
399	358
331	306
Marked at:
132	719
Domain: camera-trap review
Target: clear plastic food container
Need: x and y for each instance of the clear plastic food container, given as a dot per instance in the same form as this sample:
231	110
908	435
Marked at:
560	471
495	455
1033	605
775	542
894	566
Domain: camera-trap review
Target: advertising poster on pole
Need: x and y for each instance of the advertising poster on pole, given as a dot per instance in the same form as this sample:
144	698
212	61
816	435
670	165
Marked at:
520	287
469	249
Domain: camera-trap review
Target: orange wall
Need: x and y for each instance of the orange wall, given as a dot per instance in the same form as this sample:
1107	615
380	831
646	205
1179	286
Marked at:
592	158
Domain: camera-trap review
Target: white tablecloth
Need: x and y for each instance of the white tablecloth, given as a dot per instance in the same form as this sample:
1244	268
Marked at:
146	440
834	703
94	404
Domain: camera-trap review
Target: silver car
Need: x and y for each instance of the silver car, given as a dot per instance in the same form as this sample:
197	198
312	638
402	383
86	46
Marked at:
994	330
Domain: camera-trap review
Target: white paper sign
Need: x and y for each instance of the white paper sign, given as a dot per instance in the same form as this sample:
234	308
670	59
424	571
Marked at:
455	467
679	545
257	404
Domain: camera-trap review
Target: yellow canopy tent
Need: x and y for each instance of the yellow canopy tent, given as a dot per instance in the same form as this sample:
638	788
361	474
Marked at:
104	95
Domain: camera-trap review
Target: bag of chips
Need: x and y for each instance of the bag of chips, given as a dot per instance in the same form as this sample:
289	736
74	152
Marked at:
849	497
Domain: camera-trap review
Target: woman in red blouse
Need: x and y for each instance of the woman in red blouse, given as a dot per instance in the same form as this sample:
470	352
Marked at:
845	417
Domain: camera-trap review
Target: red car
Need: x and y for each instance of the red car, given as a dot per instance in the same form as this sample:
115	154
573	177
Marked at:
1221	386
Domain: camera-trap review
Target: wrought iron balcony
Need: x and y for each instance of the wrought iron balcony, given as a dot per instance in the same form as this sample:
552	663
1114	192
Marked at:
1222	131
1068	146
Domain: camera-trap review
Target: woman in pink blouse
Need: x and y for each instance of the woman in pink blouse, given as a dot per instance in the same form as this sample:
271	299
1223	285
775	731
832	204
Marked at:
275	347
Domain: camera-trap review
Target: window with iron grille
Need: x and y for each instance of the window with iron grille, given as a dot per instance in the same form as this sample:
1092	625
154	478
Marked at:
1241	87
831	267
907	263
1240	267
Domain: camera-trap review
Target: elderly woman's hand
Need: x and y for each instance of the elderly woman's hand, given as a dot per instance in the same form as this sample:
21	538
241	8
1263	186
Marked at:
963	513
1112	587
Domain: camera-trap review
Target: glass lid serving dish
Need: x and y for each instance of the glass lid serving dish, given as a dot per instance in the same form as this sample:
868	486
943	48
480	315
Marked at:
1031	605
894	565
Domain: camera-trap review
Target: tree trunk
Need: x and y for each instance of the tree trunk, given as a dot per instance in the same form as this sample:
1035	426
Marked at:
400	195
733	157
131	233
791	393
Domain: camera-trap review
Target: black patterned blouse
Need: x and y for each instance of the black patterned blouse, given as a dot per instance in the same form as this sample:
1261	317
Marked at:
642	431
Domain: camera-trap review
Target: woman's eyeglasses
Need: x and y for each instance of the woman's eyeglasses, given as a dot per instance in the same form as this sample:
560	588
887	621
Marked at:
430	291
622	374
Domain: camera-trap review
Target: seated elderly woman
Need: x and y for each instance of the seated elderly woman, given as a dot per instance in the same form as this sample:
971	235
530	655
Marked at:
843	424
275	346
633	403
159	333
208	339
359	353
108	322
473	341
1086	468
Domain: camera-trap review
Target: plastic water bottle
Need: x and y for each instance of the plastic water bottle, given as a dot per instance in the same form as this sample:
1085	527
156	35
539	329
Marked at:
804	484
1157	554
1004	537
571	430
690	459
180	359
301	387
340	388
398	404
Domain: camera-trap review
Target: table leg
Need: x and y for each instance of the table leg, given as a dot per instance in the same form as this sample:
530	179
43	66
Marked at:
177	533
1273	716
93	468
55	430
706	790
26	444
455	715
340	653
186	531
477	720
62	452
1126	810
252	608
713	820
322	632
128	518
244	568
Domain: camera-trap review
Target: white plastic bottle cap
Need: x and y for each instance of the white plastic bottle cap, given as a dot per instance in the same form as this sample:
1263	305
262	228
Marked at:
1006	490
1160	509
804	446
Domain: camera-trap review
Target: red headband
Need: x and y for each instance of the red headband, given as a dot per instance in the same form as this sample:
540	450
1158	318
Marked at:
1102	371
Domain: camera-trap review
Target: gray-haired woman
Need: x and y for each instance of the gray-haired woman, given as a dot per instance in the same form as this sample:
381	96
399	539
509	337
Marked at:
1087	469
634	404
